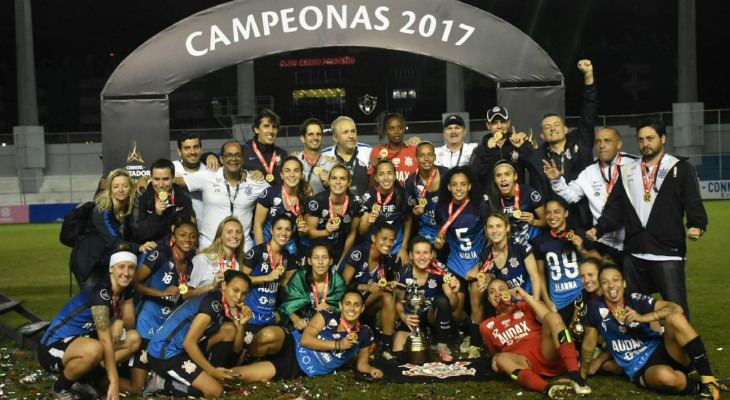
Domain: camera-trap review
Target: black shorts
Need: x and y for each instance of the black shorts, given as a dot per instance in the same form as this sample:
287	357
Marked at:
463	285
50	357
180	368
285	361
659	357
139	359
249	332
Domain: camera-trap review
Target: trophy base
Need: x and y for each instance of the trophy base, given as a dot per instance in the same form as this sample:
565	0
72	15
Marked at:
417	356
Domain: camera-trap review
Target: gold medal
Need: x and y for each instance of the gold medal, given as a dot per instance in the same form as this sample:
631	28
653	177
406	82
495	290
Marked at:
441	237
517	213
447	278
481	276
336	220
300	219
162	196
269	177
570	235
620	314
423	201
317	170
353	336
280	269
647	197
498	135
383	282
183	288
506	296
383	152
376	208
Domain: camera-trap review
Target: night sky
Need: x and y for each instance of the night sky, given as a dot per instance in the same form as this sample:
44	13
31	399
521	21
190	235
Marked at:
616	35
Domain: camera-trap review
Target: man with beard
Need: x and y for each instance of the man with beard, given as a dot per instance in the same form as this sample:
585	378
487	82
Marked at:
316	167
189	148
652	198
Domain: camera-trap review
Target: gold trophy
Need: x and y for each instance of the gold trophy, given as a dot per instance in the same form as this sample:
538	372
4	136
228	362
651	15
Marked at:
416	349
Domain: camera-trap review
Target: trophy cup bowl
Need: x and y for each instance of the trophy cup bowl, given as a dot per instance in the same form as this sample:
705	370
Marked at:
416	349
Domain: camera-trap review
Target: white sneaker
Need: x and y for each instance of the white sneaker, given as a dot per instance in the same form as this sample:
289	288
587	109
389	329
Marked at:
581	390
444	352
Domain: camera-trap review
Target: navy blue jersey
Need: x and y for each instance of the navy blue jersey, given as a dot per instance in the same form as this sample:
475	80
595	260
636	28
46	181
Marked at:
427	226
262	297
430	288
631	345
152	311
562	261
530	200
465	235
168	341
318	206
75	317
272	199
322	362
359	258
514	270
393	213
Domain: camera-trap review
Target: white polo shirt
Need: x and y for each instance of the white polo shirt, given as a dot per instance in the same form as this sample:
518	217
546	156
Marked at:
197	197
445	158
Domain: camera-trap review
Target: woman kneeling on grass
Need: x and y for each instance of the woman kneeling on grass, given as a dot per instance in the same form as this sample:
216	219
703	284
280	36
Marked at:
529	341
330	339
189	350
95	325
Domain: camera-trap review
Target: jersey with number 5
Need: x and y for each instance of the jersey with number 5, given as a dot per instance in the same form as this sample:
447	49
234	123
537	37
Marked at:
465	235
561	262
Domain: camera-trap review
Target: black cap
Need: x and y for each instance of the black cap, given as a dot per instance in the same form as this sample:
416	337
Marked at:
454	119
497	111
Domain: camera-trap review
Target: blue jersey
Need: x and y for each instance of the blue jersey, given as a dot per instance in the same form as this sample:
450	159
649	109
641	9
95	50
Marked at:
152	311
427	226
322	362
514	271
530	200
167	342
465	235
393	213
262	297
430	288
272	199
359	258
562	261
318	206
75	317
631	345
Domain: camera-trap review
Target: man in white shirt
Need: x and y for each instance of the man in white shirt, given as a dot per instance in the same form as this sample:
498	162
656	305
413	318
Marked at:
454	152
595	183
189	148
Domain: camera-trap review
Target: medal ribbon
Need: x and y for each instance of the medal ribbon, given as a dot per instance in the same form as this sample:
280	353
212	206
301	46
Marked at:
223	261
422	194
324	291
333	214
270	168
387	199
182	276
612	175
561	234
270	250
349	330
649	182
309	160
516	205
613	310
227	308
294	208
116	310
436	269
451	219
381	267
490	259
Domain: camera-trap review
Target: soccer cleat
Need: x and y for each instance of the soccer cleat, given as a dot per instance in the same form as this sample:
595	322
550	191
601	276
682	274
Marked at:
86	391
464	346
584	390
474	352
723	384
155	383
559	391
444	352
709	391
64	394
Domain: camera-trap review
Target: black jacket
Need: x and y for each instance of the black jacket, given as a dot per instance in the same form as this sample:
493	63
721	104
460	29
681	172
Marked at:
664	234
153	227
251	161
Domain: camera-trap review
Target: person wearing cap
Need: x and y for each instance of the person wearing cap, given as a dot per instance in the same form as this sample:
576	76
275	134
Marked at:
95	325
351	153
571	151
454	152
503	142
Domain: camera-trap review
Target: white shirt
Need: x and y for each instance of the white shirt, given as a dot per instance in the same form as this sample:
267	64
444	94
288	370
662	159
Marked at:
363	152
591	184
197	197
205	269
324	162
219	198
446	158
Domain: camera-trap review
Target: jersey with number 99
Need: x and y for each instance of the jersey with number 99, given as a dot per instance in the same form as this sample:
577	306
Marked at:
465	235
562	261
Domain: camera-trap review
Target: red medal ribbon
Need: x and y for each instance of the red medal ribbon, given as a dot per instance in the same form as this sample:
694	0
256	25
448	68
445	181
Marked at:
451	219
333	214
270	250
270	168
436	269
294	208
490	259
223	261
387	199
182	276
561	234
309	160
614	174
613	310
227	308
649	182
324	291
349	330
381	267
517	198
422	194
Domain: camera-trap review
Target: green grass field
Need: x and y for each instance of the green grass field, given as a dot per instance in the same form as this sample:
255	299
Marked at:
34	268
